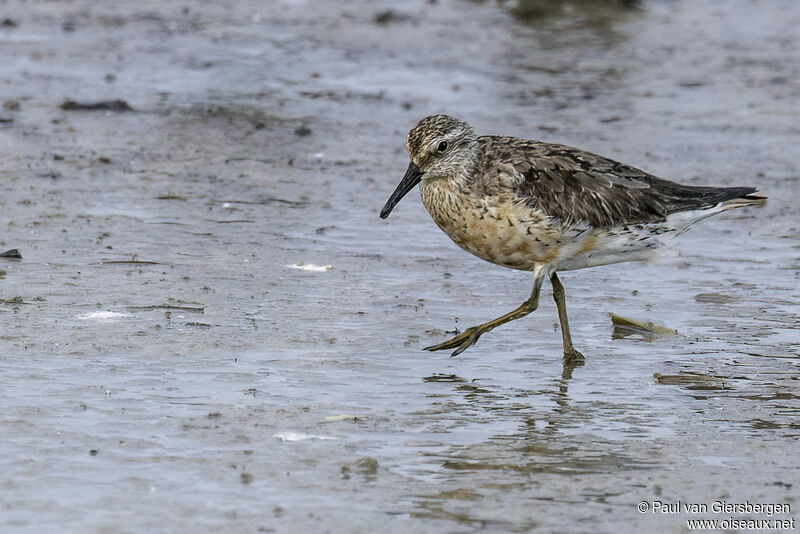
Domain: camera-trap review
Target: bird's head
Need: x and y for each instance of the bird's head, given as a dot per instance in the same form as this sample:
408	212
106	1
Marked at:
440	147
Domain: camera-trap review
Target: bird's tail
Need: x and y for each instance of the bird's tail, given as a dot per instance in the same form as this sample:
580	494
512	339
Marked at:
681	221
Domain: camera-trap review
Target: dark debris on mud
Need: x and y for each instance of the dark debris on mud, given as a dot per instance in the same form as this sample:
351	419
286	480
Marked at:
104	105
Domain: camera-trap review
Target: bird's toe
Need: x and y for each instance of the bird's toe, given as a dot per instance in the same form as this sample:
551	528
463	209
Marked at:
461	342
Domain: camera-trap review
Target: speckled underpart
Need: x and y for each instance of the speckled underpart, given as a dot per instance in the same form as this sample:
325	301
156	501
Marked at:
497	229
545	208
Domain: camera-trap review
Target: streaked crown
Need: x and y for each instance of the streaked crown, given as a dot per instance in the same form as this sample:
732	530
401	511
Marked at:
432	130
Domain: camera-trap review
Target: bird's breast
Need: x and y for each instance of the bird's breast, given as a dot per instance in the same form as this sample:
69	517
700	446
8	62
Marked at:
495	228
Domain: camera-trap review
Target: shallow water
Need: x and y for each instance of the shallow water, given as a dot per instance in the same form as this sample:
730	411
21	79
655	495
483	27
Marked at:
164	367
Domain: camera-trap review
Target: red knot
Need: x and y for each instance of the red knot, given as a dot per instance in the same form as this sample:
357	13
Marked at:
545	208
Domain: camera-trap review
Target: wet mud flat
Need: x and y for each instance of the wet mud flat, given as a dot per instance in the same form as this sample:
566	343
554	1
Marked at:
209	327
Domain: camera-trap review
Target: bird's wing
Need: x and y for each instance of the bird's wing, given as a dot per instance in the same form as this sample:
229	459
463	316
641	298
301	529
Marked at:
574	186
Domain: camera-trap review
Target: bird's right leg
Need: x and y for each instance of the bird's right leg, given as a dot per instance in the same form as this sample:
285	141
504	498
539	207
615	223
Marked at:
561	303
470	336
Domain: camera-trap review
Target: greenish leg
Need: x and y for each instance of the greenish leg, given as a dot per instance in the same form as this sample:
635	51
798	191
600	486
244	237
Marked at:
470	336
561	303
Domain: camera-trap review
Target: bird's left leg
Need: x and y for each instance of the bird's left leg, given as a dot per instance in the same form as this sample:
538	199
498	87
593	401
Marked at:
561	303
470	336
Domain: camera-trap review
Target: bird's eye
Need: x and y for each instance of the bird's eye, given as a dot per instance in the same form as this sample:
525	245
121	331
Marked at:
442	146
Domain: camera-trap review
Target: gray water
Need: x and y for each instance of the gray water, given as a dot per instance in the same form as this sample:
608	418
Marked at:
165	367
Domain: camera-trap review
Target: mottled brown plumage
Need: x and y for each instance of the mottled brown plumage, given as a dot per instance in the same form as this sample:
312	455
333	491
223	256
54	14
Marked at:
575	186
545	207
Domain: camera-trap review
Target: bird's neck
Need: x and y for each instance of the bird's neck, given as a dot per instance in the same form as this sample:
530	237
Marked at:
461	172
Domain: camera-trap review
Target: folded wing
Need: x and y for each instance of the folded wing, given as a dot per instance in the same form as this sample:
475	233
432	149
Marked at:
577	186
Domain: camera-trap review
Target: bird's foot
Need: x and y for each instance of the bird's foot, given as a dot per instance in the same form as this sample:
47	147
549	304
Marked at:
461	342
572	355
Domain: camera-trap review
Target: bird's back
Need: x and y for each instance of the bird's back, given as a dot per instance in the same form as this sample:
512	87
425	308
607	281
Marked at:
575	186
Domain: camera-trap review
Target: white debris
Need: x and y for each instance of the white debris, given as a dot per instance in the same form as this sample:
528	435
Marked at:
102	316
343	417
303	266
298	436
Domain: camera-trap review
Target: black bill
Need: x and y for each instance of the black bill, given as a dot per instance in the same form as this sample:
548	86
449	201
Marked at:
412	177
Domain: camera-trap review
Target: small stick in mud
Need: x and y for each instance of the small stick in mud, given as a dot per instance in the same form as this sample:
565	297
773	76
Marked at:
11	253
624	327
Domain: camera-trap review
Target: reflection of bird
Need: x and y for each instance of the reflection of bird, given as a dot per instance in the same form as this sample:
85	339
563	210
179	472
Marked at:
545	208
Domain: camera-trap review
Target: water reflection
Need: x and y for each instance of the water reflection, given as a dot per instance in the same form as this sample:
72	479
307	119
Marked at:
540	432
570	362
556	434
578	12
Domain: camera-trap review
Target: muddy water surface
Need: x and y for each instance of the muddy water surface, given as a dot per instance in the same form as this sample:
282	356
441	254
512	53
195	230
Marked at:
166	366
